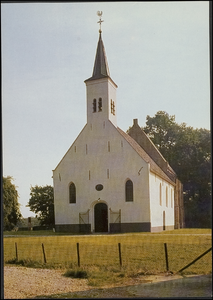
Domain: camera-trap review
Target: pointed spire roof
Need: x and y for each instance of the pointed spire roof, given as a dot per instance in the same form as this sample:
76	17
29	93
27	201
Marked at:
100	66
101	69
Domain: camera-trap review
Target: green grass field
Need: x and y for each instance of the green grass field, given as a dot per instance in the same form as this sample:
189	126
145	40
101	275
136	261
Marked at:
141	253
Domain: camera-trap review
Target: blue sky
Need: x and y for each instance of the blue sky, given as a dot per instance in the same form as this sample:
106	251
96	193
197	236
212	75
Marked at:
158	55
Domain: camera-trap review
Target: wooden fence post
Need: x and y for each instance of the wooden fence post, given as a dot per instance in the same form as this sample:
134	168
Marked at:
44	253
191	263
16	251
166	256
119	250
78	254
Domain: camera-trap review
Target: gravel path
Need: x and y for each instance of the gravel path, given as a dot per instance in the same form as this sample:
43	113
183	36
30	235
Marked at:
21	282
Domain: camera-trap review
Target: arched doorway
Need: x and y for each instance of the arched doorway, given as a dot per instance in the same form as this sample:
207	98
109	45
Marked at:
101	217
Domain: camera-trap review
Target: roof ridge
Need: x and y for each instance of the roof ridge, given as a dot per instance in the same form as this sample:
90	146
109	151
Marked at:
166	167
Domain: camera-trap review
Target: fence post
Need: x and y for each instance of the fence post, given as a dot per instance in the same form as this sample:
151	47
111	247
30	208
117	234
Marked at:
166	256
44	253
78	254
191	263
119	250
16	251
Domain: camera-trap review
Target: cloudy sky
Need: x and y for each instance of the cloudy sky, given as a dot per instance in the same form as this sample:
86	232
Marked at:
158	55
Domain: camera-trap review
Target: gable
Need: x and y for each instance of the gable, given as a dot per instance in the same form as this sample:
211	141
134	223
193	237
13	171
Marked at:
85	136
69	148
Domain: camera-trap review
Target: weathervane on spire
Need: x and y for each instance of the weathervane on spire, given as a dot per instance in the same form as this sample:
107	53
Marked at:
99	13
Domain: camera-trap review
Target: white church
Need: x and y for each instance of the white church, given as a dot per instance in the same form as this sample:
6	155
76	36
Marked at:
110	181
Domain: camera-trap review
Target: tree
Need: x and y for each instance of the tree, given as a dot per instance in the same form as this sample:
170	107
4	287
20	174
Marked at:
11	211
42	204
188	151
162	130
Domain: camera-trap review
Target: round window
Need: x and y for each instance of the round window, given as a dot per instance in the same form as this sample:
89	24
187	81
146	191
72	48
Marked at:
99	187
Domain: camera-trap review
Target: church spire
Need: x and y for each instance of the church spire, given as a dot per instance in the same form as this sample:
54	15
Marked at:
101	68
101	90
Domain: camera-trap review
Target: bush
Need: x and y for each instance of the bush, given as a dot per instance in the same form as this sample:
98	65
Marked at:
78	273
33	264
25	262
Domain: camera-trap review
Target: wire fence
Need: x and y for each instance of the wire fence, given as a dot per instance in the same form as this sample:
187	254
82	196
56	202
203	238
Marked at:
147	256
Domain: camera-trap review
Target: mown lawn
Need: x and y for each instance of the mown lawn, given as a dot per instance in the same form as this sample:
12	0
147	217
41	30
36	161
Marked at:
140	252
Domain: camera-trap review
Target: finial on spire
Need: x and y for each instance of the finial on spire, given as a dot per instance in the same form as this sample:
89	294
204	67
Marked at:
99	13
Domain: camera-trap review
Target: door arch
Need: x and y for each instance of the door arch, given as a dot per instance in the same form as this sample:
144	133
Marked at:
101	217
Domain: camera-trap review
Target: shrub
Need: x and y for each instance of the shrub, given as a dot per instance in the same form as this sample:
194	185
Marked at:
77	273
25	262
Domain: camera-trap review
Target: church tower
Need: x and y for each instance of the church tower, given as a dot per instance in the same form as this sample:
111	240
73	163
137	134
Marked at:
101	90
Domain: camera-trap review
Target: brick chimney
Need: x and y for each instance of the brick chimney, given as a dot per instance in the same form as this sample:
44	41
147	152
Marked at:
135	122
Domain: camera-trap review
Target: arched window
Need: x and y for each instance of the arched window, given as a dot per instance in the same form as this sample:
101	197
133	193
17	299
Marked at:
129	191
160	192
100	104
72	193
167	196
171	198
94	105
112	107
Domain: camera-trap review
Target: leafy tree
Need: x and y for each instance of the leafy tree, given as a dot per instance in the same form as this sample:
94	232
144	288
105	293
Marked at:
194	170
163	131
188	151
42	204
11	211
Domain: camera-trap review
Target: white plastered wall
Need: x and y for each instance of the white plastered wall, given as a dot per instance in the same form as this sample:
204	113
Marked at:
90	153
156	206
106	90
